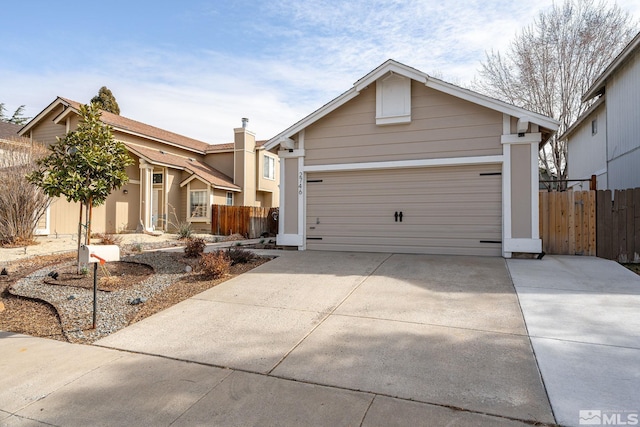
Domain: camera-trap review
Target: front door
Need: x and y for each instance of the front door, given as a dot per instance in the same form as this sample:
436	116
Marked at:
155	202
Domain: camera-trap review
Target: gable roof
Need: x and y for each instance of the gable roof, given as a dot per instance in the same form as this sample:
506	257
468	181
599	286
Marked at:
121	124
195	167
407	71
598	86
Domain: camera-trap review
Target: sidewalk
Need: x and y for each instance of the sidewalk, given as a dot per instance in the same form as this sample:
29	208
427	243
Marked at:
583	319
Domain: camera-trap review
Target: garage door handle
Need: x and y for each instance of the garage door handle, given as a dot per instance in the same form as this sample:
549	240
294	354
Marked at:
396	216
400	216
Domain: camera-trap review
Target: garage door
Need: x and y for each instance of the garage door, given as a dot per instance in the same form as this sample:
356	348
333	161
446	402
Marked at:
444	210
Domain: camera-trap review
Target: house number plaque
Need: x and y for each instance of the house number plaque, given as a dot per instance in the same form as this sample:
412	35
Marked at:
300	177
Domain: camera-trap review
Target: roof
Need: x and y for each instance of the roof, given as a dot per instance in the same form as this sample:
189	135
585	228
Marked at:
598	86
124	125
201	170
9	130
215	148
407	71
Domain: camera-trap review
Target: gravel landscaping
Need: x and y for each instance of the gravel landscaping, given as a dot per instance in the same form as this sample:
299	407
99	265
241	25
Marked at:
61	307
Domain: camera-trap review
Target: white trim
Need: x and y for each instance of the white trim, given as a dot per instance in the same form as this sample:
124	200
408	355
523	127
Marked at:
397	164
134	182
393	120
289	240
281	208
522	245
491	103
313	117
506	187
47	224
528	138
302	200
419	76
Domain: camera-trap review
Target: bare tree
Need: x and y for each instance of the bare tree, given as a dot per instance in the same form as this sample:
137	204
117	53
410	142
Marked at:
21	203
551	63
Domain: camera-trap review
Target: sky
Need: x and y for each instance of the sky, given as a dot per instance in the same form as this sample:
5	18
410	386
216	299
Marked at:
197	67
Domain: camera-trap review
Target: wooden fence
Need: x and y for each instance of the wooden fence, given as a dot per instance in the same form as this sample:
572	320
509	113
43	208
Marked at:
597	223
251	222
568	222
618	235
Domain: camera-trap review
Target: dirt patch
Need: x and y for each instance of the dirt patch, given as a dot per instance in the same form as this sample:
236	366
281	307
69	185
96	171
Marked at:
112	276
633	267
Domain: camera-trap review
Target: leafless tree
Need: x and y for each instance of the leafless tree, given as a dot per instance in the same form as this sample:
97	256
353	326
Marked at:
21	203
552	62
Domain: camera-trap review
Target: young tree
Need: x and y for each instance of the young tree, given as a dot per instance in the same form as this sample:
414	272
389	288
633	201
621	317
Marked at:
21	204
551	63
17	117
85	166
106	101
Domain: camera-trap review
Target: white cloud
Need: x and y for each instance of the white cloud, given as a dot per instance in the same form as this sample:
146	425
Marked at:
322	49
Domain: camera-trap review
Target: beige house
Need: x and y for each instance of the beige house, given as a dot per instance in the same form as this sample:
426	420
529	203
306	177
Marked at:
174	178
403	162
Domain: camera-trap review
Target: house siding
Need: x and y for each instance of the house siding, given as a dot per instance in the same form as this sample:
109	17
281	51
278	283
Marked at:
623	125
587	153
520	200
442	126
47	131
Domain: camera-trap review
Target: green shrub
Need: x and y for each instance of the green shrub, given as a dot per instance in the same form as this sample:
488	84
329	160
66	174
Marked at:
215	264
239	256
194	247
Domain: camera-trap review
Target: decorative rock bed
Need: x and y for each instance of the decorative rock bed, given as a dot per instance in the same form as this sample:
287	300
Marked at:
115	309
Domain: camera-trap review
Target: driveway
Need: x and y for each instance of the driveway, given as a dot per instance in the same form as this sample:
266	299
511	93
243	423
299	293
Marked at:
310	338
322	338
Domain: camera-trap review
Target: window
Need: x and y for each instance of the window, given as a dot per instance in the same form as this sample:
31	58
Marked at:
594	126
198	203
269	167
157	178
229	198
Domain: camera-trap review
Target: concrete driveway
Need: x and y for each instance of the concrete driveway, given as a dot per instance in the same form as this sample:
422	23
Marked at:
311	338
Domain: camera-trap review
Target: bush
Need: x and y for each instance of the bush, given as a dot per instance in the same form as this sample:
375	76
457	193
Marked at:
194	247
21	203
109	239
239	256
215	264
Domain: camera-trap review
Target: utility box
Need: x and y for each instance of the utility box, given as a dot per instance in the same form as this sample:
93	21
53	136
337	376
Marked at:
90	254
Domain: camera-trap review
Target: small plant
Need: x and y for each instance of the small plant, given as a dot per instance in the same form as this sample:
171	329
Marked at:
239	256
261	241
138	247
183	228
194	247
84	270
215	264
109	239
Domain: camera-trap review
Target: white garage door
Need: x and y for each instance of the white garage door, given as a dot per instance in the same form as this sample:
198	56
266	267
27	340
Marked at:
444	210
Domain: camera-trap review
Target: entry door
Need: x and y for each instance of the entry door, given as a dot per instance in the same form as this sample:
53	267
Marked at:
155	203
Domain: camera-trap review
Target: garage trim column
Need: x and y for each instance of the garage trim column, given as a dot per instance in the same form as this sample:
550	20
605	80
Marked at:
292	187
520	235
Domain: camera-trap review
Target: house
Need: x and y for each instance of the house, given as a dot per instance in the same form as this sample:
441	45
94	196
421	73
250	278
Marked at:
605	140
174	178
403	162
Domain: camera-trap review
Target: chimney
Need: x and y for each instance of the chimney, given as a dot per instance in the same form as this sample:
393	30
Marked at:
245	121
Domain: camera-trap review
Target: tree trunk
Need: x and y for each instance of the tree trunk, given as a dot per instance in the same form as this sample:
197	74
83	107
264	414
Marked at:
79	238
89	213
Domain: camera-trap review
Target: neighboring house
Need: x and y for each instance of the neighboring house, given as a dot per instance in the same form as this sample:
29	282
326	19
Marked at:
172	174
605	140
403	162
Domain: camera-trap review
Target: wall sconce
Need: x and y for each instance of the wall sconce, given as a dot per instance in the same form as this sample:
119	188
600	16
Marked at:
125	191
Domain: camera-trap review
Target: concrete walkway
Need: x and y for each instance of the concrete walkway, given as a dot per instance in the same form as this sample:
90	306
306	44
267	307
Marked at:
583	316
306	339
